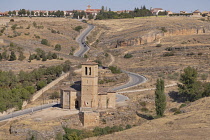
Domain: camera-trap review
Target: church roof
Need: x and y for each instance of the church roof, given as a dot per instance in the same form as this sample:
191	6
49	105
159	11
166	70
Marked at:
89	63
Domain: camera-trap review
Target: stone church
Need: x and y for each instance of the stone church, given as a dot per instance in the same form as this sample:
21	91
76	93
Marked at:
89	101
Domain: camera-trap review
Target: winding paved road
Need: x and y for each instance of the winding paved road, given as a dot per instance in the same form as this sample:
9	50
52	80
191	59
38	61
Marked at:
135	79
81	40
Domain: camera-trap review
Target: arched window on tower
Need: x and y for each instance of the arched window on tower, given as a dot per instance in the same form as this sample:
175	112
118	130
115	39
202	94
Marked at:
89	70
86	71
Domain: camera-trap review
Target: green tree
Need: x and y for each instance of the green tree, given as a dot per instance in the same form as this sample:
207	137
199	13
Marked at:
10	13
0	57
160	98
90	16
190	89
78	28
21	56
57	47
45	42
12	56
54	56
41	84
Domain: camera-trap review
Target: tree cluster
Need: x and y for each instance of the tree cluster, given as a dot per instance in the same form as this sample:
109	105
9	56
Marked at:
79	15
13	49
14	89
41	54
75	134
190	88
142	12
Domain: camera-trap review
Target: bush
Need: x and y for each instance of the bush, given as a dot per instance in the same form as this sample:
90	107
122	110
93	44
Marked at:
78	28
173	109
12	20
169	49
144	109
128	55
55	95
115	69
168	54
14	26
128	126
158	45
41	84
163	29
142	103
45	42
57	47
182	105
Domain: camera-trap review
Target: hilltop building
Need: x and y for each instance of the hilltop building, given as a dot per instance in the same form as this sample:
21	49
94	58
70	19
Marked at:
155	11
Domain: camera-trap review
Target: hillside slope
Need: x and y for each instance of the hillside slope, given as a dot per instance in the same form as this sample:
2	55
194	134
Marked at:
194	124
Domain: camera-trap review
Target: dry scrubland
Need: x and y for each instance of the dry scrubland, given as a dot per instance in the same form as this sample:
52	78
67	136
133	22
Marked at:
55	30
150	41
185	39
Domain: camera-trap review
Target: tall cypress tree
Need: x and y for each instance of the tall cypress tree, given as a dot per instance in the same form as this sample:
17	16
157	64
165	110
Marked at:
160	98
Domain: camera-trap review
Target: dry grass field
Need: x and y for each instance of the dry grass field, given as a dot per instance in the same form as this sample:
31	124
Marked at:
29	34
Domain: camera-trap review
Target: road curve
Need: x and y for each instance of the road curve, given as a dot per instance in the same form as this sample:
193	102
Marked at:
81	40
134	79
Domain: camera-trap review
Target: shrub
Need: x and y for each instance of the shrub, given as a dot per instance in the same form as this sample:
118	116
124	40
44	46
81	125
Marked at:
41	84
115	69
163	29
128	55
182	105
169	49
85	56
173	109
14	26
78	28
27	33
55	95
12	20
158	45
144	109
99	62
200	53
45	42
57	47
142	103
128	126
29	26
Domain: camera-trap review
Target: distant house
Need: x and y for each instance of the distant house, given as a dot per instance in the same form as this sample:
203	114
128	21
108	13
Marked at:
3	13
169	12
196	13
205	13
89	11
69	13
155	11
183	12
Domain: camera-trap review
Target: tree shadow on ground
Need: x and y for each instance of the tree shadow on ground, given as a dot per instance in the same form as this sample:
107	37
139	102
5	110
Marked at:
176	97
145	116
76	86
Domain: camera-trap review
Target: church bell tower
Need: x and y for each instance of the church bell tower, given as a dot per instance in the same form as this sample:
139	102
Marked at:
89	87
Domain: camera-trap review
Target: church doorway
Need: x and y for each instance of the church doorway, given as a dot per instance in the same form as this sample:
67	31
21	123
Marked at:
76	104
